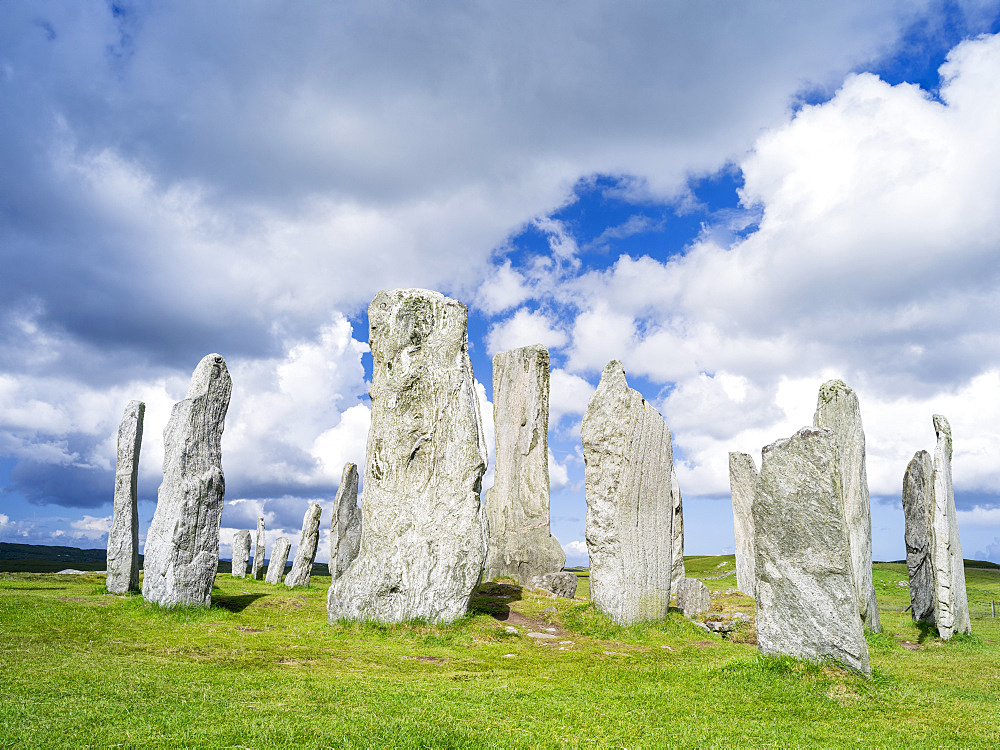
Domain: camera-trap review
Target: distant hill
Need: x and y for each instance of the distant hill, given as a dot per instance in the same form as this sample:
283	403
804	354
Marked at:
43	558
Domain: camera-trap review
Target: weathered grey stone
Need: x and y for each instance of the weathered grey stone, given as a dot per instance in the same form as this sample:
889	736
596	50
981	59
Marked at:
951	600
837	409
630	512
241	553
517	505
279	557
423	535
693	597
743	485
918	508
806	597
345	523
123	537
259	551
182	546
677	529
305	553
562	583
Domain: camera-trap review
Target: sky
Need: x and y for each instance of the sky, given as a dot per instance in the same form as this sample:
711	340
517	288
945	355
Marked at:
739	200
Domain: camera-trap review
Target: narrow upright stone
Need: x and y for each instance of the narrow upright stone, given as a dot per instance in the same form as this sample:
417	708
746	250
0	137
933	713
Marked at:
677	573
241	553
276	565
305	553
806	602
629	483
345	523
123	538
837	409
259	551
423	535
952	602
520	544
182	546
918	508
743	485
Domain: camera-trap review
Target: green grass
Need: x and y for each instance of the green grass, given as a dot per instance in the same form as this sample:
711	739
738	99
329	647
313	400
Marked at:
263	668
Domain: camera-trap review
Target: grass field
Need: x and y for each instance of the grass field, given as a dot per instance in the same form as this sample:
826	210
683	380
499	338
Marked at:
262	668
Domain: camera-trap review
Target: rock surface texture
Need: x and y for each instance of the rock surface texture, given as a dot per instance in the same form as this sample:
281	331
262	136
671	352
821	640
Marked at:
345	523
743	485
423	531
279	557
562	583
517	506
123	537
693	597
241	553
918	508
259	551
630	511
305	553
951	600
806	596
182	546
837	409
677	530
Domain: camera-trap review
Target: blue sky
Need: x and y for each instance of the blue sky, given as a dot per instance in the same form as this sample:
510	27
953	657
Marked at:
738	200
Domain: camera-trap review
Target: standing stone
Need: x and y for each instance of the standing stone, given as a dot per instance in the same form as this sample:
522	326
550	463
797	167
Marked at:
677	530
423	533
629	482
837	409
520	543
693	597
345	523
952	603
123	538
259	551
182	546
806	596
305	553
241	553
276	565
562	583
743	485
918	507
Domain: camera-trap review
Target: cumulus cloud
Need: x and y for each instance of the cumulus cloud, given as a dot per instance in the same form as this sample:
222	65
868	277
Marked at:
576	553
568	395
524	328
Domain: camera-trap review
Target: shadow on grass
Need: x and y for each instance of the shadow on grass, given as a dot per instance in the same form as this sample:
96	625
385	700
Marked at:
235	603
927	631
494	598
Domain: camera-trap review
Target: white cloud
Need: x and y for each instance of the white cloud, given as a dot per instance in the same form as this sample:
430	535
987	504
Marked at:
90	527
558	474
568	394
576	553
525	328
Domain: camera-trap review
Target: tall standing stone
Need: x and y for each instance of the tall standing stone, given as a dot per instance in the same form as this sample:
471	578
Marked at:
520	543
952	603
241	553
305	553
182	546
806	596
918	508
677	573
345	523
123	538
629	483
837	409
259	551
743	485
423	533
279	557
